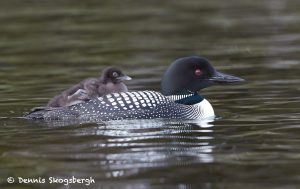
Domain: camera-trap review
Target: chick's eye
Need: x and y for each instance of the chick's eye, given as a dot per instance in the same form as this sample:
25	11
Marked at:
198	72
115	74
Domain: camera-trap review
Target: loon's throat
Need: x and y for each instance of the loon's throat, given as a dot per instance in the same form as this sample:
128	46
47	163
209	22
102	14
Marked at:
187	99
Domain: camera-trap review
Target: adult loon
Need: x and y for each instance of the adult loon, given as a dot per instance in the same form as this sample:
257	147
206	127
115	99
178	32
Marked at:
111	81
179	98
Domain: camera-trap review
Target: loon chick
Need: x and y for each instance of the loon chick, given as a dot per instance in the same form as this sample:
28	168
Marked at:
111	81
179	98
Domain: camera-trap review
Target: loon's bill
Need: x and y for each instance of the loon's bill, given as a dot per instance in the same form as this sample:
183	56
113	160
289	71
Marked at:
225	78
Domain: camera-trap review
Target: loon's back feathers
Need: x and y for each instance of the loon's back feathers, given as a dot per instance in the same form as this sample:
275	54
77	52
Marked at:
127	105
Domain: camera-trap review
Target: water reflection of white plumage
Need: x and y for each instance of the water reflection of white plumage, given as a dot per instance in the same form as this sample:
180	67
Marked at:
127	147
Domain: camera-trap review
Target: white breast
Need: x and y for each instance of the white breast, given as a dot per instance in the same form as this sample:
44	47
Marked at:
205	109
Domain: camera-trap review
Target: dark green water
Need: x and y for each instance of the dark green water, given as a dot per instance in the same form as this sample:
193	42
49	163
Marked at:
46	46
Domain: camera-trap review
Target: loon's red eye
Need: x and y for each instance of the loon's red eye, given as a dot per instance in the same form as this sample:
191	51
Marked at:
198	72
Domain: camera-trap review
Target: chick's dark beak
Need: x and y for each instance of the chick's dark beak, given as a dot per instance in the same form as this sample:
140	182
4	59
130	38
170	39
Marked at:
124	78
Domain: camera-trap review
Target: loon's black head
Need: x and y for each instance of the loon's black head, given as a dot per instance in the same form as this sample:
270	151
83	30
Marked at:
114	75
191	74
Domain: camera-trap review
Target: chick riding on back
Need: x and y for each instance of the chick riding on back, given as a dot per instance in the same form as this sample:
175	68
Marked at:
110	81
